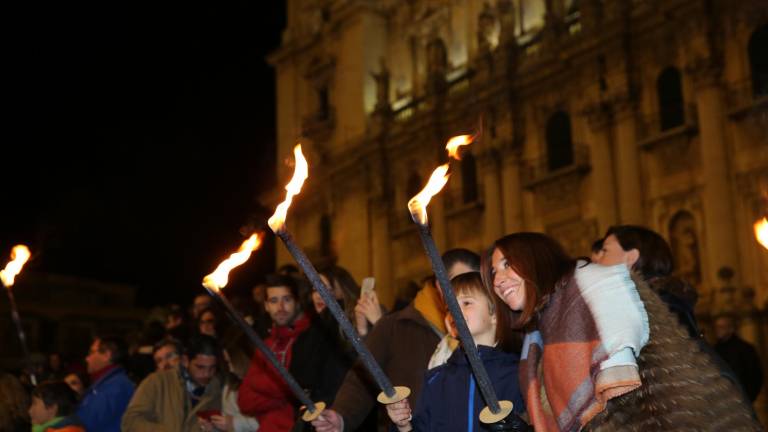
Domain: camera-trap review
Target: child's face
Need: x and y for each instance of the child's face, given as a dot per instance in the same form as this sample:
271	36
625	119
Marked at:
477	314
39	413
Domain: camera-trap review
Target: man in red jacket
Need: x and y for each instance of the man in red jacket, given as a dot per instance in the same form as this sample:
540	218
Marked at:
303	347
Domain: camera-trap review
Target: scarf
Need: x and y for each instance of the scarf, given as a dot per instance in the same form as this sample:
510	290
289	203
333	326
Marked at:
99	374
429	303
46	425
584	350
281	339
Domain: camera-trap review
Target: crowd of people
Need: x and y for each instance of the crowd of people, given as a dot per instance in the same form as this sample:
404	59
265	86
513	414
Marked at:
609	342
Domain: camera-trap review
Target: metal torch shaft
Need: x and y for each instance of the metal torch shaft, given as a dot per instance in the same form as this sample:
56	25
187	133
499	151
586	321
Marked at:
22	337
330	301
483	381
294	386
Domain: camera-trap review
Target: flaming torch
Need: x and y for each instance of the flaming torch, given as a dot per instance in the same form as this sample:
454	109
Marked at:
496	411
761	231
217	280
389	393
19	256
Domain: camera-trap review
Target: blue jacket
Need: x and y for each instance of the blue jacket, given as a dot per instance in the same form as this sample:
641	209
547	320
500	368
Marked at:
105	401
450	399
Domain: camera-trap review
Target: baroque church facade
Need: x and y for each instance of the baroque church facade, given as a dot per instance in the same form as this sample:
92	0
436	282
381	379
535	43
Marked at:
589	113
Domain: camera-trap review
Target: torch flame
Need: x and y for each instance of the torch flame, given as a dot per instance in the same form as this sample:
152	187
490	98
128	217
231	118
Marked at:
418	204
761	231
19	255
454	143
219	278
300	173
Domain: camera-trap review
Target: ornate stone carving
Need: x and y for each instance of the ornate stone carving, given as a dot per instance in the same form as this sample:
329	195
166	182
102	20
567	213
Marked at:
558	192
705	71
487	35
576	235
437	64
382	86
598	115
684	241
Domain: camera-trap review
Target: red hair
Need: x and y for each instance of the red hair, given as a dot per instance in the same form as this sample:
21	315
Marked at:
540	261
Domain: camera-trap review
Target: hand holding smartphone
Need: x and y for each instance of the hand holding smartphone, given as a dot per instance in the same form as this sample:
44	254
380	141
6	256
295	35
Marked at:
368	287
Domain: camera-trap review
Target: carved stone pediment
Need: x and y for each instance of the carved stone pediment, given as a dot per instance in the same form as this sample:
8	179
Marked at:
558	191
576	235
320	70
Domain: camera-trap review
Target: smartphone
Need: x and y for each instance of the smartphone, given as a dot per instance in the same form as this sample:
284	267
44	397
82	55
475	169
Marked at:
368	286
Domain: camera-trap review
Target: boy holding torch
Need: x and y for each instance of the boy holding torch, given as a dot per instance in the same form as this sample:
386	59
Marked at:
450	400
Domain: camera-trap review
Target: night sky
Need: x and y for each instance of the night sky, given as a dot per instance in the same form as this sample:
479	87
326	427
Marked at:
136	138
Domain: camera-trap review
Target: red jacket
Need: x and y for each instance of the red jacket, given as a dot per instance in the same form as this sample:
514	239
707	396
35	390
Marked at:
263	393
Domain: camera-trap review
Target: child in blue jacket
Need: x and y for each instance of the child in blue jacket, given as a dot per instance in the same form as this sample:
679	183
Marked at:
450	399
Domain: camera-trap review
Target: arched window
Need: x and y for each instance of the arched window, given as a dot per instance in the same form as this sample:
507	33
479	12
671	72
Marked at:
685	247
559	144
468	178
325	234
758	60
323	103
670	93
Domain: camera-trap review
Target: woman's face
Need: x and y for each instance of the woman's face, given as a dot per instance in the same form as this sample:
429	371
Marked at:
507	284
613	253
317	302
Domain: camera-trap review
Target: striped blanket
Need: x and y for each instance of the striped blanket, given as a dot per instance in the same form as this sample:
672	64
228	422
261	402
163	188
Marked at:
583	351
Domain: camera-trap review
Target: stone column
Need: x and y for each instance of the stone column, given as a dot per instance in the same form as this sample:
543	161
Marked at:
511	193
630	192
493	222
381	251
719	225
602	175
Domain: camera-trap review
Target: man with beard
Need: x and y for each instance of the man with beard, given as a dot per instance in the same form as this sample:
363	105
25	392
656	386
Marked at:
305	348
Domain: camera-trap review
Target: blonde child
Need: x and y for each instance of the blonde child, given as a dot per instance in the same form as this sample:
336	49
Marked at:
450	399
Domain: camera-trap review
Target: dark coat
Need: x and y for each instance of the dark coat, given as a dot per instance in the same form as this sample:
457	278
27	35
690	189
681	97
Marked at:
680	297
402	343
743	360
105	402
450	394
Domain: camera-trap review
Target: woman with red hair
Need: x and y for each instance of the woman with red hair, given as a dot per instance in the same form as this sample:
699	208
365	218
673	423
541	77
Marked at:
602	351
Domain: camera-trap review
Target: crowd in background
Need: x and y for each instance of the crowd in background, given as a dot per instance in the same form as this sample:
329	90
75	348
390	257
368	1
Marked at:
195	370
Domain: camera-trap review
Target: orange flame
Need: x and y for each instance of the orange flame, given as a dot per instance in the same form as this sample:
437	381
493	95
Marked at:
418	204
454	143
761	231
219	278
19	255
300	173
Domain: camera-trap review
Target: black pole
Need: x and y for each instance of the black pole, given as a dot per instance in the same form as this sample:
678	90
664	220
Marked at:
22	337
248	330
309	270
483	381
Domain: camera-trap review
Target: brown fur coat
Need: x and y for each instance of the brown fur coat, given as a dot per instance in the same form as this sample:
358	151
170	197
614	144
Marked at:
682	388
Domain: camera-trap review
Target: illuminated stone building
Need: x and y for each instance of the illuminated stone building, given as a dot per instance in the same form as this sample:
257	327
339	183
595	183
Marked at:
594	113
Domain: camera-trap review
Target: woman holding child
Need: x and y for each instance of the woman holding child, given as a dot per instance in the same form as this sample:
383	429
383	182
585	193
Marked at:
602	351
